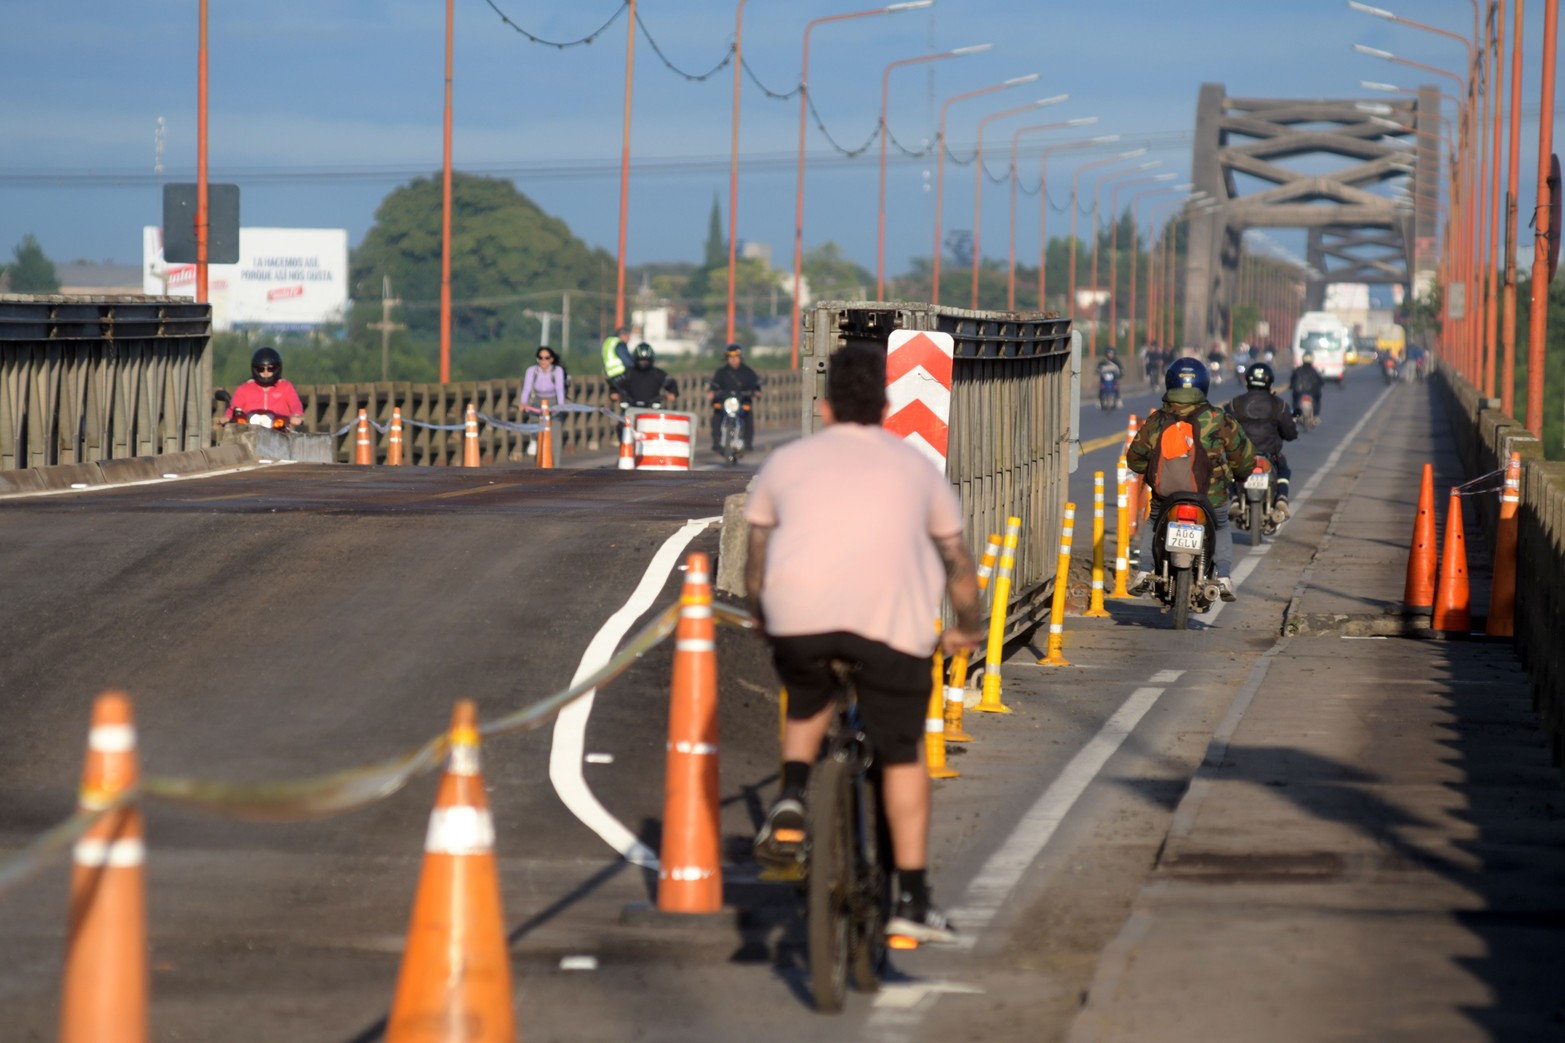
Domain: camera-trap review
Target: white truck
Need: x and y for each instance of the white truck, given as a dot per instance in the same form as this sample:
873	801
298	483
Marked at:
1326	337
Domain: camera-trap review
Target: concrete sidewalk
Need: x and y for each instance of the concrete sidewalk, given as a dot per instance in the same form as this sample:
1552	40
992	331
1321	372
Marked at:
1374	846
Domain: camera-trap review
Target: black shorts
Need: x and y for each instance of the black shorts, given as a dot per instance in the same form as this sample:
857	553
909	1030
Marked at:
893	687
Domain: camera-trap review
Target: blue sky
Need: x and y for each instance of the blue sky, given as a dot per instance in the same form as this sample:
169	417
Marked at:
306	96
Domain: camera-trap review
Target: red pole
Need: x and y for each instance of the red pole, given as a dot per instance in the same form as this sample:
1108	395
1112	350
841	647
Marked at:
445	208
1513	171
624	166
978	181
1114	253
1075	193
1010	292
1492	266
1043	206
1539	317
733	170
201	171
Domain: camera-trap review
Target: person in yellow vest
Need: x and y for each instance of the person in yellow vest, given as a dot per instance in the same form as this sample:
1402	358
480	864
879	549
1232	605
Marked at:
616	354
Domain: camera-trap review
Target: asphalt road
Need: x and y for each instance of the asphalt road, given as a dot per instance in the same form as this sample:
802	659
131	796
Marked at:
296	620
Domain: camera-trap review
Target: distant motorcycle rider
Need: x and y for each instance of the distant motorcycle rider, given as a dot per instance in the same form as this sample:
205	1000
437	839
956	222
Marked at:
266	391
1306	380
1228	451
733	377
644	384
1267	421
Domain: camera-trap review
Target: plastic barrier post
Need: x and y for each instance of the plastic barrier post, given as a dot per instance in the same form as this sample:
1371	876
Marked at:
1122	535
363	450
394	442
546	440
1502	588
1419	593
1134	490
934	719
956	690
1056	656
627	446
456	967
990	700
470	456
105	986
1095	609
1452	614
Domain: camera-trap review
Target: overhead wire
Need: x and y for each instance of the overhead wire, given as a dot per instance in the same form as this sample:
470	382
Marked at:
562	44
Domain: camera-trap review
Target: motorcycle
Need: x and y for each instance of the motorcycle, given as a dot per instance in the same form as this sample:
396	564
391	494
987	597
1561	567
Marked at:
1388	369
1216	369
261	418
1306	416
1259	514
1183	571
1108	390
731	435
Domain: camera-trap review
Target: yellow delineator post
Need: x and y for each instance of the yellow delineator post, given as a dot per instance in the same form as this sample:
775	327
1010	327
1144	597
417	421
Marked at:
1095	609
1122	535
956	691
1135	493
1056	656
990	702
934	722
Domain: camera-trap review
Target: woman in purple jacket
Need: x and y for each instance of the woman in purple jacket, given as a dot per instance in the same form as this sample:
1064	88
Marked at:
545	381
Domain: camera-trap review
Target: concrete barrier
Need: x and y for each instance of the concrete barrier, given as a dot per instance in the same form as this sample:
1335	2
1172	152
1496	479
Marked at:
1485	443
107	473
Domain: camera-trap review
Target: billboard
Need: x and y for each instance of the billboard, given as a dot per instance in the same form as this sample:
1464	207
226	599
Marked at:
286	278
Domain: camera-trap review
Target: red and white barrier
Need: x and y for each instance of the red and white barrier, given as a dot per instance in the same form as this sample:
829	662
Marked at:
663	440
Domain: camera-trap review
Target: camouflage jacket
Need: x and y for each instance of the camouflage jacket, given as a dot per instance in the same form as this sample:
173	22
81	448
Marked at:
1227	447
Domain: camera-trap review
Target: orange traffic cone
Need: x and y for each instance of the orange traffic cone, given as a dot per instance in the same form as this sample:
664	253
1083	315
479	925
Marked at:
1420	589
470	438
104	995
394	440
455	982
546	440
363	448
627	447
1452	599
1502	588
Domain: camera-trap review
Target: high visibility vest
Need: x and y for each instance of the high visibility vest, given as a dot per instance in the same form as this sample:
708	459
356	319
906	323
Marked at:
613	366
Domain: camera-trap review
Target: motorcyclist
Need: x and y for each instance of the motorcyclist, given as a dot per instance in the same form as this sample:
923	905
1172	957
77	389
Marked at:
1306	380
1228	450
265	391
1109	370
644	384
616	354
1267	421
733	377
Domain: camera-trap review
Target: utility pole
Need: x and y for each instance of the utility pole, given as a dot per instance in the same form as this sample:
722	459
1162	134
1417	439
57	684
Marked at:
565	324
544	317
386	326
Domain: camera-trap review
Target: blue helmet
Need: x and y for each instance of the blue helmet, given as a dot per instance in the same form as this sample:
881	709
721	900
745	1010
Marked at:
1187	373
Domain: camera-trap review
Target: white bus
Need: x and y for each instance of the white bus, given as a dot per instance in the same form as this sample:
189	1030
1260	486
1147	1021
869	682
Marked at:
1326	337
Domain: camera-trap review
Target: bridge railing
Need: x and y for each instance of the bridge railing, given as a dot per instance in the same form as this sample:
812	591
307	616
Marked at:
86	379
330	407
1485	441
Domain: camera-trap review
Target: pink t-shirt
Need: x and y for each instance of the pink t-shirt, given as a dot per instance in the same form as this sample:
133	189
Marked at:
856	513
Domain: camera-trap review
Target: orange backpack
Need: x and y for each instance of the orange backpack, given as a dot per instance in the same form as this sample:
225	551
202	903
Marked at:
1180	463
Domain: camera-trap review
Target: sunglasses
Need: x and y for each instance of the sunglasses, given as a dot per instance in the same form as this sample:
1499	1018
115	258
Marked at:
267	368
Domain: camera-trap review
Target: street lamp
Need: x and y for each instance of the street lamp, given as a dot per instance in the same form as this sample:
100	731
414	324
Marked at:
940	163
1043	205
804	111
1114	252
1097	185
1135	251
885	93
979	174
1083	121
1075	208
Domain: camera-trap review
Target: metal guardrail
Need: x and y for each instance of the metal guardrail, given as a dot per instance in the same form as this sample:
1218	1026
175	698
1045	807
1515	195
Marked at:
328	407
85	379
1010	424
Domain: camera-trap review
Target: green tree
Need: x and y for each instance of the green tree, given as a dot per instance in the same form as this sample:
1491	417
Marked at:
33	272
833	276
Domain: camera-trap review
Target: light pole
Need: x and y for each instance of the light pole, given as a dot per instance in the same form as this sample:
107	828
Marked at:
885	96
1135	253
1010	283
1538	318
1513	168
940	164
733	169
1097	186
624	167
1114	250
1043	206
1075	209
804	111
979	175
201	150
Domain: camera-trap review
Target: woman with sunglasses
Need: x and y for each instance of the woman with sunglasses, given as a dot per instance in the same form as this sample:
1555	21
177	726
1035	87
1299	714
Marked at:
266	391
545	381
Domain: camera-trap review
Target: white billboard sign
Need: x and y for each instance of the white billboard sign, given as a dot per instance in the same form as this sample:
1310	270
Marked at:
285	278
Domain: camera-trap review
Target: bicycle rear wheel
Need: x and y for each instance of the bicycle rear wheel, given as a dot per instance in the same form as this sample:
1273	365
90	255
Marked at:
830	882
872	901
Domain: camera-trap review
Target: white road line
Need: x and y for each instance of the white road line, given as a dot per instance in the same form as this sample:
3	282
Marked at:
109	486
570	727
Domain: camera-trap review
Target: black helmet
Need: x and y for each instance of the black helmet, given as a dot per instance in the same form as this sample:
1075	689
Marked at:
644	351
1259	375
1309	359
1111	354
734	349
1187	373
264	357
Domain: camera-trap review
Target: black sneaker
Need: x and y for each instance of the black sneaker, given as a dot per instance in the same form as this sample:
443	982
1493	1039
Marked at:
781	839
1140	584
921	922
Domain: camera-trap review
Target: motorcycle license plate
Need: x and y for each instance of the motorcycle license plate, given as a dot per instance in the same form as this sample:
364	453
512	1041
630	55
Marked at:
1185	536
1258	481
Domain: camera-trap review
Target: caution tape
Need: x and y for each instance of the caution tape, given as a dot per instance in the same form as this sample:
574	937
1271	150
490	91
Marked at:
343	791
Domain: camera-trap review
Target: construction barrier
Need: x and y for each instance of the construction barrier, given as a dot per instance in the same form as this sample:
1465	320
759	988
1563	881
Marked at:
362	453
1056	651
471	456
956	690
1095	609
934	719
1452	598
990	702
1502	585
1419	591
1122	534
394	446
546	439
663	439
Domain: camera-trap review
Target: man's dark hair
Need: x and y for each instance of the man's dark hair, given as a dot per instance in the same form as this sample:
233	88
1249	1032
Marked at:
856	384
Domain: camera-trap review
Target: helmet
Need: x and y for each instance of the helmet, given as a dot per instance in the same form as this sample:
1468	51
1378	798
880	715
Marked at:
1259	375
1187	373
644	351
266	357
1111	354
1308	359
734	349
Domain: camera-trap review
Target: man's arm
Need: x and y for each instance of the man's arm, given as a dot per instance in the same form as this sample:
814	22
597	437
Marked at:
755	570
962	588
1139	455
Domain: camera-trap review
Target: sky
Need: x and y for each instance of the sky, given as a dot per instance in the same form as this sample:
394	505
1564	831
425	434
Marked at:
318	110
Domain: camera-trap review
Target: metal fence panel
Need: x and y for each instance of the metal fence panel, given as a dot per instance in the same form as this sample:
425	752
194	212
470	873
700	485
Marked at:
102	378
